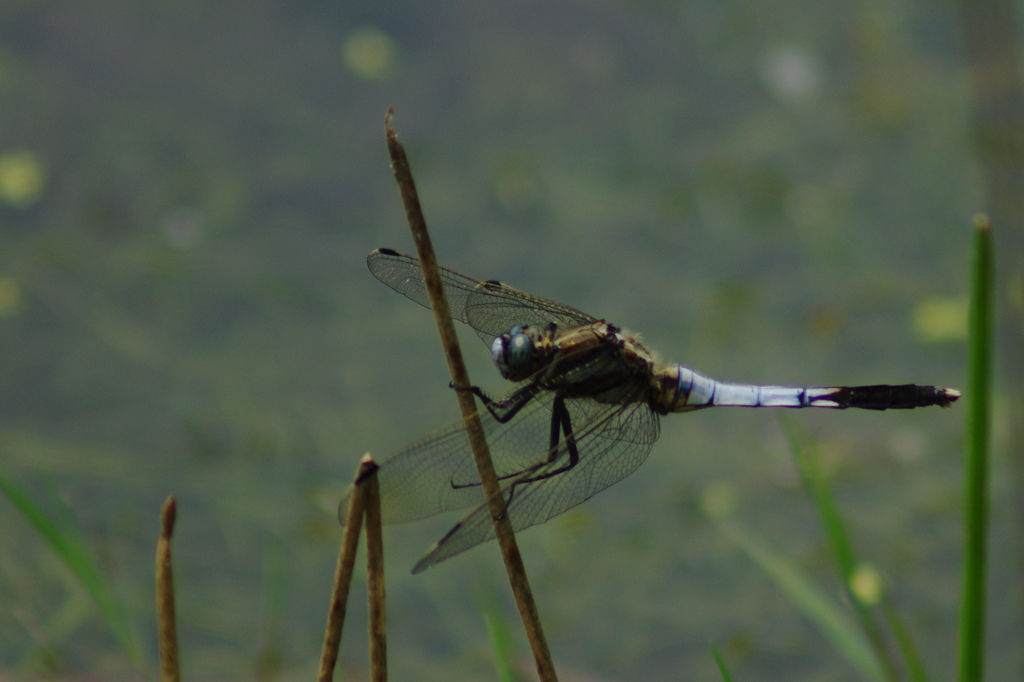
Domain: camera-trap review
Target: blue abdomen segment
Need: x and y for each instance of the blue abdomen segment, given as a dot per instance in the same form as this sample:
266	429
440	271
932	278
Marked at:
696	391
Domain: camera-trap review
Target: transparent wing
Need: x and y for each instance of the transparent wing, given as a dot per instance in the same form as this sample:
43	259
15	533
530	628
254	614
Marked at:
437	473
613	440
489	307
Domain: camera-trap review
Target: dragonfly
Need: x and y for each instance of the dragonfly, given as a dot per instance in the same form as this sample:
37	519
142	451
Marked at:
584	413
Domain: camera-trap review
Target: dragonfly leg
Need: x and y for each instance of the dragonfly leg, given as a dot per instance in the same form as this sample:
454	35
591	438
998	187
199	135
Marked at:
561	424
475	390
503	410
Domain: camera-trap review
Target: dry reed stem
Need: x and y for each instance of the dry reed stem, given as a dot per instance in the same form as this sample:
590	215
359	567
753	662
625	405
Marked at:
375	587
344	568
460	379
167	628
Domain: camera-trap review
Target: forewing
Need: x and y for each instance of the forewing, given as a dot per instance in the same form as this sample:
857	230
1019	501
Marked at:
491	308
613	440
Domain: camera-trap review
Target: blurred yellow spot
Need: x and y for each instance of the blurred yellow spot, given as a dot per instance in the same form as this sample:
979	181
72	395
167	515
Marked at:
578	520
825	322
1015	291
940	319
866	584
10	296
718	499
516	187
369	53
21	178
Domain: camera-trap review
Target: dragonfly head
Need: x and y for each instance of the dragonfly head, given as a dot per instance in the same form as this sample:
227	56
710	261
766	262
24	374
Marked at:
515	353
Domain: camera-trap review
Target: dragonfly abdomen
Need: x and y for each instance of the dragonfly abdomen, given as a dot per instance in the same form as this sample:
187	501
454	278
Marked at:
693	391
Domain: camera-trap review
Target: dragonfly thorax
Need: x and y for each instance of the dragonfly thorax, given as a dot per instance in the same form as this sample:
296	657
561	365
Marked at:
596	361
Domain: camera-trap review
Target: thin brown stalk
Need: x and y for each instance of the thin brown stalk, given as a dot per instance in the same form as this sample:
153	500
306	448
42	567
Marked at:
375	588
167	629
460	379
344	568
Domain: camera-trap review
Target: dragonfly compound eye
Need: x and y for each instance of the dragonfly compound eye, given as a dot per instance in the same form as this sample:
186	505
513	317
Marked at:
513	353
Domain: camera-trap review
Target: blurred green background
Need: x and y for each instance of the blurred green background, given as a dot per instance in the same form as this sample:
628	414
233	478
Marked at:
771	192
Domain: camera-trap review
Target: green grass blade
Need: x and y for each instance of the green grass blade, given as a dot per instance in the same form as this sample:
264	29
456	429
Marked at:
66	540
851	570
829	617
722	669
976	494
911	658
814	482
499	634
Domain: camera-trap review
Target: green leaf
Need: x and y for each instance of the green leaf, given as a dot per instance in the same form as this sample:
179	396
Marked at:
721	664
830	618
976	493
67	541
